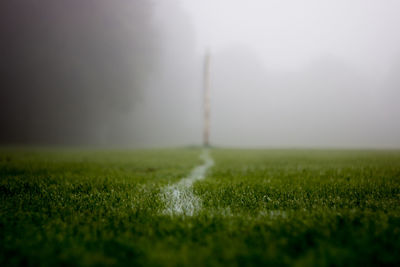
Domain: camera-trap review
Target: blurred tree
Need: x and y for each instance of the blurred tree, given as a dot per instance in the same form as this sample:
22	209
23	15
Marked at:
68	68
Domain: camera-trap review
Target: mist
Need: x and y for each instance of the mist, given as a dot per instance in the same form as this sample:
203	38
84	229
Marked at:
129	73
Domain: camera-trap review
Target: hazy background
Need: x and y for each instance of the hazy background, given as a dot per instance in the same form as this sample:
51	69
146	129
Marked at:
129	73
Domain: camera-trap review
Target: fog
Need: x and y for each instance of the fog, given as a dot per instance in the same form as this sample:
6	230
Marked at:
129	73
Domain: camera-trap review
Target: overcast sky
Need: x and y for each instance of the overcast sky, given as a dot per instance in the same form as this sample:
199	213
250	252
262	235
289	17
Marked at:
308	73
290	34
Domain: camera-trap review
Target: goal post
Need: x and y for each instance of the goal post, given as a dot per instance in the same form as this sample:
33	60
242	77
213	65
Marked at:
206	99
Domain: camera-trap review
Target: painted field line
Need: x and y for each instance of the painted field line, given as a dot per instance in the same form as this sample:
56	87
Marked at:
179	198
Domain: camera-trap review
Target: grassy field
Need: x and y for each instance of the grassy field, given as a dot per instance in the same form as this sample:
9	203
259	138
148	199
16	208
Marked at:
259	207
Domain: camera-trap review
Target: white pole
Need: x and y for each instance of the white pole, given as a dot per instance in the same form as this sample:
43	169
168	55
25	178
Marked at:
206	100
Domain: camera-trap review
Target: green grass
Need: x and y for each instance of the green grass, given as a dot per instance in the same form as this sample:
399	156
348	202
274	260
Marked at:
260	207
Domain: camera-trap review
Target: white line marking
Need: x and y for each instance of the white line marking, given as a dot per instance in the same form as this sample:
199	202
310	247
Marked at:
179	198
